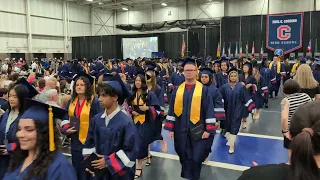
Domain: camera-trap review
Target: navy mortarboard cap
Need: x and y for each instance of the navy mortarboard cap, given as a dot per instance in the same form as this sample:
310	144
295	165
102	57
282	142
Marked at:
75	60
83	74
191	61
224	61
247	64
179	60
29	88
303	60
107	77
318	63
151	66
100	58
217	62
114	60
68	60
38	111
317	59
232	70
206	71
43	113
119	87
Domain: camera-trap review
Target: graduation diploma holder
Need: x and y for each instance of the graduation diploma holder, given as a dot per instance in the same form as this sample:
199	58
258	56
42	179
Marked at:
197	132
75	122
2	149
137	109
87	164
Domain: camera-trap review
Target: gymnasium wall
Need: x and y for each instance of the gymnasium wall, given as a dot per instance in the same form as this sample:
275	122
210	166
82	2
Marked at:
46	26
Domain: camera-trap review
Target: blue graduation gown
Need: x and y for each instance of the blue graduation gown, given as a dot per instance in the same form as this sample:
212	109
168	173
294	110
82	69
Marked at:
221	79
159	81
217	100
59	169
118	142
66	71
116	69
11	137
76	145
316	75
109	71
99	69
92	67
158	122
260	93
60	68
176	79
236	100
277	76
250	80
146	130
268	76
191	153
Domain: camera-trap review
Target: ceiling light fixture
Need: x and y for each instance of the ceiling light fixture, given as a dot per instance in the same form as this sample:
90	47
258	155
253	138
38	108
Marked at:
89	0
124	8
164	4
100	3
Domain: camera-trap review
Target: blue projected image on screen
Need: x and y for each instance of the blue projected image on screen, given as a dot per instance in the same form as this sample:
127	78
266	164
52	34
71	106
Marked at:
139	47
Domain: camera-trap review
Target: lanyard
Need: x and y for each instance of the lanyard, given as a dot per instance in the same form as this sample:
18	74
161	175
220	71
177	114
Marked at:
79	109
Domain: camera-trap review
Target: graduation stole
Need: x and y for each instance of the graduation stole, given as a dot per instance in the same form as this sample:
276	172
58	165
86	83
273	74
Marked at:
278	65
84	117
167	72
195	103
108	66
86	69
141	117
295	67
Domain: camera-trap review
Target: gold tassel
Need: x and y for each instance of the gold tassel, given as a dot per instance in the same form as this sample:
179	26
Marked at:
52	146
197	71
94	85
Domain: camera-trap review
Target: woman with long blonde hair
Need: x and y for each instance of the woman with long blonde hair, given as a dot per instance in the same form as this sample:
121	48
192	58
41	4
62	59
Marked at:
308	84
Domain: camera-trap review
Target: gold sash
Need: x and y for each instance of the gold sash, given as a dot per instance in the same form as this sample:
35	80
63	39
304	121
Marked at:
84	118
141	117
195	103
278	65
295	67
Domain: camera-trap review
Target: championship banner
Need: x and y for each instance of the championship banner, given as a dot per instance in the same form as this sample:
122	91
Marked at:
284	31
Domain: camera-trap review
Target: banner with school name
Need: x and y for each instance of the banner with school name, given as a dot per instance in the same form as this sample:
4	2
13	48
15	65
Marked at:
284	31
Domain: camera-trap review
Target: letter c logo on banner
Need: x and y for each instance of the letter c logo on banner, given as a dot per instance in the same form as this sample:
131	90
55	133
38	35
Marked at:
283	32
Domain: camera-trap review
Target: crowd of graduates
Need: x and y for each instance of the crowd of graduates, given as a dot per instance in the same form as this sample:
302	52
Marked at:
112	110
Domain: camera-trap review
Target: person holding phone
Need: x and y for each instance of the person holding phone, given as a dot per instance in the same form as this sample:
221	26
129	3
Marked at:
8	121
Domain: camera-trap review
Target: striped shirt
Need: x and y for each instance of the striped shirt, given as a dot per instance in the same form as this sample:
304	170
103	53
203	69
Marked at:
295	100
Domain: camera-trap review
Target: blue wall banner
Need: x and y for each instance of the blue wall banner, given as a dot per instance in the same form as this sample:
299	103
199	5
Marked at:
284	31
